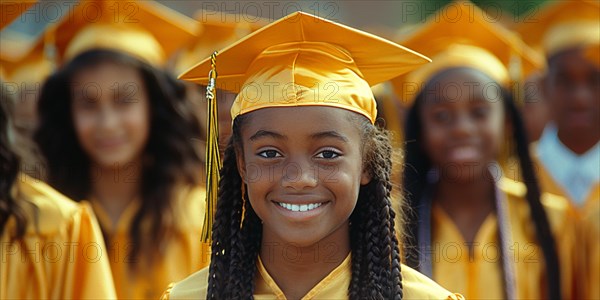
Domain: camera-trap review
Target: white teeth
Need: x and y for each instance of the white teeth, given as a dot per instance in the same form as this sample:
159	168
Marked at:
302	207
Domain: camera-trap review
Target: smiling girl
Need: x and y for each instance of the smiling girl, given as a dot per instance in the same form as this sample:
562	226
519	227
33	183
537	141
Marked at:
472	230
304	205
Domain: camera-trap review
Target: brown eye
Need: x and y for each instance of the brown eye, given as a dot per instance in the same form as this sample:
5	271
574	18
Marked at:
269	154
328	154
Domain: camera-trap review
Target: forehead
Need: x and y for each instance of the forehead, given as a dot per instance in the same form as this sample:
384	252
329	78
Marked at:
461	86
572	60
302	120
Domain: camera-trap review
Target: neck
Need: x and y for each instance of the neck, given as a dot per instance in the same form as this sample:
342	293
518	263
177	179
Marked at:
467	203
115	188
296	270
581	142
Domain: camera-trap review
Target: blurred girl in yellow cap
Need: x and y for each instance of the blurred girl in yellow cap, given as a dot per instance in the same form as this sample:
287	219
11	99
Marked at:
51	247
116	129
304	206
472	229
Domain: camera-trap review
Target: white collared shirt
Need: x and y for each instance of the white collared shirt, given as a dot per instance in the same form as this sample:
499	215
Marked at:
576	174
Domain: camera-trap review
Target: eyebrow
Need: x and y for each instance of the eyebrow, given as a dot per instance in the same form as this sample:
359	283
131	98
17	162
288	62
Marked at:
265	133
329	134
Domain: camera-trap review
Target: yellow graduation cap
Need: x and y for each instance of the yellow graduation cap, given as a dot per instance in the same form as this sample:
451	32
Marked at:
10	10
562	25
300	60
470	40
29	66
592	52
144	29
214	32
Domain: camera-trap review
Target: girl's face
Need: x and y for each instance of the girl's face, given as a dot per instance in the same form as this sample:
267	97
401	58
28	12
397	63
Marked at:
463	124
303	169
111	113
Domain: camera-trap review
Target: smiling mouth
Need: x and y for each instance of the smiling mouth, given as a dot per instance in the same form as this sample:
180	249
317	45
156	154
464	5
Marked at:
299	207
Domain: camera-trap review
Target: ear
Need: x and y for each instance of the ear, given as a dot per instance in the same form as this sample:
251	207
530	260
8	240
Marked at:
365	177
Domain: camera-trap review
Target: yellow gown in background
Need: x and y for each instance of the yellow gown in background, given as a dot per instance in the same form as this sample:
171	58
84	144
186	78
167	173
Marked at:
588	219
333	286
62	254
480	275
181	253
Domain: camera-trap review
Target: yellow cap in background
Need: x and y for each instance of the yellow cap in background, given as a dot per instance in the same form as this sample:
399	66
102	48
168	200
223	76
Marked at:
24	61
144	29
215	31
471	40
561	25
10	10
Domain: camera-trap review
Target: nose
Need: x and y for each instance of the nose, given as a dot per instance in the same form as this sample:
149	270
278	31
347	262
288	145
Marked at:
108	119
463	125
299	174
583	97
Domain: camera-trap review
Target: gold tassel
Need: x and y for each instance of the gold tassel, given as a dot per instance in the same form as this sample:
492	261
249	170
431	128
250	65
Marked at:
213	159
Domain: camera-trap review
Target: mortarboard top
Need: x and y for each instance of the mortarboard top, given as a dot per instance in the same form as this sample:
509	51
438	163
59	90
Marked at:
561	25
472	40
144	29
10	10
31	65
303	60
215	31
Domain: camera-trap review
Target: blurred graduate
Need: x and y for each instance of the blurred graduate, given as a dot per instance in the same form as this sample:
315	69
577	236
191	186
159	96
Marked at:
471	229
116	129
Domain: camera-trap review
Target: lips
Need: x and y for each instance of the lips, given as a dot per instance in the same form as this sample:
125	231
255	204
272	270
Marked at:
110	143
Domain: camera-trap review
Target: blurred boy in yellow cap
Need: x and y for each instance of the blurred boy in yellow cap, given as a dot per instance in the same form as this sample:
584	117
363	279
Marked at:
116	129
470	224
571	86
304	103
568	153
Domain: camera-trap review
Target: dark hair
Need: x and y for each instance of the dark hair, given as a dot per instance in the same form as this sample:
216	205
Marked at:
375	252
169	156
417	165
9	170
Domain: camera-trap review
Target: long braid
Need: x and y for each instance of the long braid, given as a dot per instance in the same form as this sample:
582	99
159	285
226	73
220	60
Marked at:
376	258
221	244
357	233
538	214
251	235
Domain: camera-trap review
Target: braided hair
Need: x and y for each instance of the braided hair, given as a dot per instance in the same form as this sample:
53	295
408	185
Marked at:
417	164
237	230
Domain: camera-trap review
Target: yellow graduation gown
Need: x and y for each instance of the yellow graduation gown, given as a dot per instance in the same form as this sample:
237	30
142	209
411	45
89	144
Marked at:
589	228
62	254
588	218
333	286
480	275
181	254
